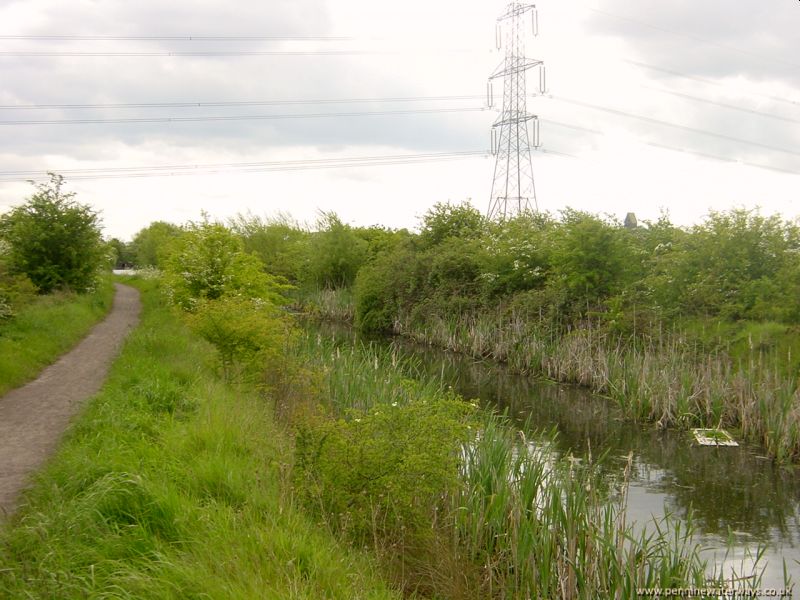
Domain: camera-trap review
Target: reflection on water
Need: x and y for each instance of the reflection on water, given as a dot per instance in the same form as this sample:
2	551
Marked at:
732	491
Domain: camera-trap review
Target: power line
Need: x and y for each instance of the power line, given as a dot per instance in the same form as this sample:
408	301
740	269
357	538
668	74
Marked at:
724	105
695	38
722	158
241	117
222	53
655	121
200	53
253	164
256	167
177	38
233	103
704	80
676	149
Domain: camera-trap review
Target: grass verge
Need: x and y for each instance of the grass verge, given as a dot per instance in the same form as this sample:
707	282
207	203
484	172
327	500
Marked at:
170	485
46	329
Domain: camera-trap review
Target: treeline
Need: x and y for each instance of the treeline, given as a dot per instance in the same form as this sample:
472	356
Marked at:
735	265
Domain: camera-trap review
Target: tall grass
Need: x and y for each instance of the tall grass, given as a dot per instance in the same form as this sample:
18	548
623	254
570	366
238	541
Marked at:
662	378
172	485
47	328
329	303
521	522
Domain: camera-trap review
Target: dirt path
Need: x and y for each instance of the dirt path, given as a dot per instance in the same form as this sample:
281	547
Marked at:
33	417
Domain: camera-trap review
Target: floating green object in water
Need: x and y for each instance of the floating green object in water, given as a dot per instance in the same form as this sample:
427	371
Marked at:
713	437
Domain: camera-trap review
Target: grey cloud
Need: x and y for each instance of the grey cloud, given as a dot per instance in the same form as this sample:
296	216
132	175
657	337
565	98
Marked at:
57	80
713	38
702	43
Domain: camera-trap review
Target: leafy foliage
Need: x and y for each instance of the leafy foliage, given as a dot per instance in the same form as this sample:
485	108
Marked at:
384	468
54	240
445	221
336	253
207	261
249	334
280	243
15	290
122	254
150	246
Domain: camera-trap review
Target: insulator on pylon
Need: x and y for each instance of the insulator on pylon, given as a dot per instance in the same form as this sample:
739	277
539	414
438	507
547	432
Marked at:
489	94
498	36
542	79
536	143
493	142
535	21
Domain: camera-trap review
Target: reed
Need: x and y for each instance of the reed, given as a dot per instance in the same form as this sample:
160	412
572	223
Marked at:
334	304
521	521
549	527
662	378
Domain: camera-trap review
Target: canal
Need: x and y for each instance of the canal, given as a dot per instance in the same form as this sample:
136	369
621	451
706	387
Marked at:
739	499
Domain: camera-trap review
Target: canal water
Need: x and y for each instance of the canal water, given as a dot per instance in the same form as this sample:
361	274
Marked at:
739	499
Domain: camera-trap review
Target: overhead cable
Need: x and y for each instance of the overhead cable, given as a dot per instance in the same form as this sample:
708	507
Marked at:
211	118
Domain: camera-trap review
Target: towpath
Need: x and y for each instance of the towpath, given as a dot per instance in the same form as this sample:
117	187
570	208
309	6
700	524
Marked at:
34	417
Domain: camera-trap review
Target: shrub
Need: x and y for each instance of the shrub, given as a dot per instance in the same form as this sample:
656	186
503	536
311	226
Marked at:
54	241
15	290
150	246
208	262
280	243
383	471
250	335
445	221
336	254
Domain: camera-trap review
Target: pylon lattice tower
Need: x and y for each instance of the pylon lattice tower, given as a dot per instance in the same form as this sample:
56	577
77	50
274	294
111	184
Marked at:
513	189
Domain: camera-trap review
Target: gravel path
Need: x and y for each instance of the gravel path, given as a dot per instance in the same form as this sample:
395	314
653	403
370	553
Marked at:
33	417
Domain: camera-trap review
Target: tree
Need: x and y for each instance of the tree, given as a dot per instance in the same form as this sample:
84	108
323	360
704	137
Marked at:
589	258
279	242
445	221
150	245
208	262
336	253
121	253
55	241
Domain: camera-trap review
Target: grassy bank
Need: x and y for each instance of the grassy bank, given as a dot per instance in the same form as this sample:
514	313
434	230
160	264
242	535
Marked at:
47	328
170	485
458	504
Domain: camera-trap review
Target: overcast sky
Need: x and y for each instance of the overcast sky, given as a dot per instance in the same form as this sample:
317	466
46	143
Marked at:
684	106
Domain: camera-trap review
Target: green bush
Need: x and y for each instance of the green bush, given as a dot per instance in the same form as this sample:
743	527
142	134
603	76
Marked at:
385	470
54	241
517	254
336	253
207	261
386	285
15	290
280	243
445	221
150	246
250	335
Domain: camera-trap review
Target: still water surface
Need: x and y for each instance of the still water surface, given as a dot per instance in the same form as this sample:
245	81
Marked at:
733	493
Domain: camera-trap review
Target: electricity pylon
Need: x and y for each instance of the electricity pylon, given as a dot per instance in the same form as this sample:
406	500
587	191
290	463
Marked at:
513	189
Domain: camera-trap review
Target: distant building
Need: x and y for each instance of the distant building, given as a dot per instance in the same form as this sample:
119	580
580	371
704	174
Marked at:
630	221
